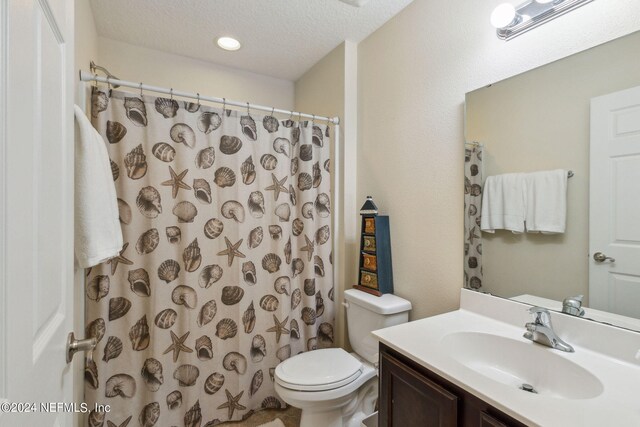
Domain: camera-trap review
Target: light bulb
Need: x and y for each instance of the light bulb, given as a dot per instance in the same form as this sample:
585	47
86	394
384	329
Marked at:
229	43
503	15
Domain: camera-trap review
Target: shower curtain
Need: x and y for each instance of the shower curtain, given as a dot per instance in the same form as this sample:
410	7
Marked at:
226	268
472	210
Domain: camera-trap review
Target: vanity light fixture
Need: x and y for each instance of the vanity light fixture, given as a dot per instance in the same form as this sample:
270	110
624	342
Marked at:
355	3
503	15
228	43
512	21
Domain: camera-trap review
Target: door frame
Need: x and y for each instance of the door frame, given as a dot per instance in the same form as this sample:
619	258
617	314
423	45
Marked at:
3	203
600	291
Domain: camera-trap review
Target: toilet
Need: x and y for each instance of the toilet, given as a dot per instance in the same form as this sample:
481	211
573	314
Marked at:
335	388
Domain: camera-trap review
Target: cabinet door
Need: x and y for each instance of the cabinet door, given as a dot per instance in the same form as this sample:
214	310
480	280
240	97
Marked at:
487	420
408	399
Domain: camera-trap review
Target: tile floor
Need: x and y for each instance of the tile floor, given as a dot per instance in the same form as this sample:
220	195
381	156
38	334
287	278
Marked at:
290	417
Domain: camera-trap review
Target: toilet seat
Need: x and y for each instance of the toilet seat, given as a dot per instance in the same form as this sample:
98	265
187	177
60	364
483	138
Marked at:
319	370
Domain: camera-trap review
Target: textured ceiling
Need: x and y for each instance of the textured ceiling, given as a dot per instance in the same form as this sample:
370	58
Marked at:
280	38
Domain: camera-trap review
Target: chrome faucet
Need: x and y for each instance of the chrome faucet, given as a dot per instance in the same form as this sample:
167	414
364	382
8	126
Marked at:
541	331
573	306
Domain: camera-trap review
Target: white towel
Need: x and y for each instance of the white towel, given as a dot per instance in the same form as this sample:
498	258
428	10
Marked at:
503	203
98	235
546	201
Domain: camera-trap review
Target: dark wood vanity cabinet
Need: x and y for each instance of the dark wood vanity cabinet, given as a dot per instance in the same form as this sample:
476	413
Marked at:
410	399
413	396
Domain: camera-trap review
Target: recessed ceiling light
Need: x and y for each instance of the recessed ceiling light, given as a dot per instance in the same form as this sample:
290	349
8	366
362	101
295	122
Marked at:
229	43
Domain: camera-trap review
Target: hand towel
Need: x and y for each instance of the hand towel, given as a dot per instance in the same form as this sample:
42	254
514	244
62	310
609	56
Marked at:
98	235
546	201
503	203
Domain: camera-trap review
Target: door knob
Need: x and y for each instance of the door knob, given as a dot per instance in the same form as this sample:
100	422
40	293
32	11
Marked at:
600	257
74	345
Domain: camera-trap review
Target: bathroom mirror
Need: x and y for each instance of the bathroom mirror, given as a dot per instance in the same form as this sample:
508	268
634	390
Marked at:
541	120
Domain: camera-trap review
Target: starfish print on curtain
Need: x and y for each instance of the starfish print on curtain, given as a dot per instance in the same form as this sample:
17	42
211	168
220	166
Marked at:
227	266
176	182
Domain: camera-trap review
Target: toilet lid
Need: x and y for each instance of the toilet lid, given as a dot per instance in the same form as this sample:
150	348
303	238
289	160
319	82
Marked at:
322	369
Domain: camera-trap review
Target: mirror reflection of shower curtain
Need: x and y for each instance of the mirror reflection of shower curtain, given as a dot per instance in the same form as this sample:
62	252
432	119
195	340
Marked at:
227	266
472	209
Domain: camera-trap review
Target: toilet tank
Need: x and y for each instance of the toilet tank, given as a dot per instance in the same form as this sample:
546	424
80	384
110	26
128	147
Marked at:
367	313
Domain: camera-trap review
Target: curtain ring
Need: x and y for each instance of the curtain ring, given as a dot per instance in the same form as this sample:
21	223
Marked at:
95	80
290	115
272	110
171	92
224	105
108	86
141	90
199	100
313	119
248	112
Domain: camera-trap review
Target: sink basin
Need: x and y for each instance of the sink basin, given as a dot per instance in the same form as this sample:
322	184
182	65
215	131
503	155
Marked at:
514	363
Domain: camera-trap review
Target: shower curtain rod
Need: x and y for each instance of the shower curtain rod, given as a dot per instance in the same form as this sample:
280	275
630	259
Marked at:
474	143
85	77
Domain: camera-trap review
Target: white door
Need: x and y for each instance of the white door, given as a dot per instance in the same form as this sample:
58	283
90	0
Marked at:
614	217
36	209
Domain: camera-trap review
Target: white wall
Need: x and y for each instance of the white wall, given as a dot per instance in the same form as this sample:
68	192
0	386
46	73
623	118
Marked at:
413	74
157	68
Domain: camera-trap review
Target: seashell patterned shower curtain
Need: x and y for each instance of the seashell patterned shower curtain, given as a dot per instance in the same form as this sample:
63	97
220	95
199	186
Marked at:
227	266
472	210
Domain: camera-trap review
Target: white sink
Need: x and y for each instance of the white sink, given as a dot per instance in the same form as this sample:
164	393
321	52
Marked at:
514	363
480	348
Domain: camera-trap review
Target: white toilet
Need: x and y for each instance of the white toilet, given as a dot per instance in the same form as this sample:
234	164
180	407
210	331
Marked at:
335	388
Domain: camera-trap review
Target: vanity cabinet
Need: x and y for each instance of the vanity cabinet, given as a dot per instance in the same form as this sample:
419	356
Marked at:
413	396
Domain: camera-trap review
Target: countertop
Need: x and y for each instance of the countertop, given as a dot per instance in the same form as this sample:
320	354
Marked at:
617	405
590	313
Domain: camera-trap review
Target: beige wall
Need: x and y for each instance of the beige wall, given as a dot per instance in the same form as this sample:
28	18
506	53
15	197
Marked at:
539	120
413	74
86	42
321	89
158	68
328	89
86	35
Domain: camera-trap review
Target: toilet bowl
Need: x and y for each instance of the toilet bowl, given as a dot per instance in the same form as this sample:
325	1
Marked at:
335	388
331	386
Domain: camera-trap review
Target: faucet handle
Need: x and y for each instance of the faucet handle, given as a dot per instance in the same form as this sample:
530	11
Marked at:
538	310
573	306
542	315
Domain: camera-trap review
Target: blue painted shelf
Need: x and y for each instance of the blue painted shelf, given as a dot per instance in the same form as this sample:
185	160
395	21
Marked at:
375	272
